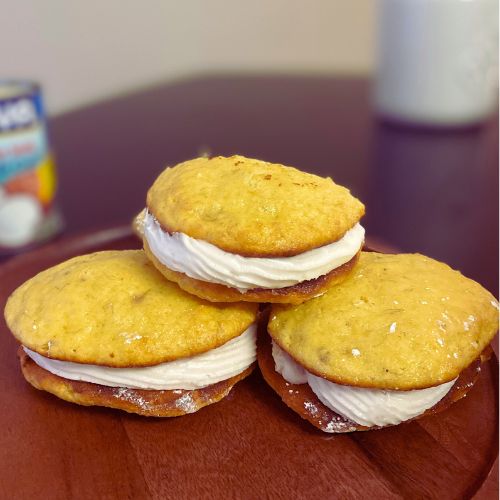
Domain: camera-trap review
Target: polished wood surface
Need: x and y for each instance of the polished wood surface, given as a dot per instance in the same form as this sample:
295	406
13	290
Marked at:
431	191
250	445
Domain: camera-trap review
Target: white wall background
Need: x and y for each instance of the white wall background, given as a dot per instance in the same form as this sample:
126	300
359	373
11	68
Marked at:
86	50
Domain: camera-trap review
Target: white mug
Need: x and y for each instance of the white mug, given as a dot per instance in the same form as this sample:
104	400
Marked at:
437	60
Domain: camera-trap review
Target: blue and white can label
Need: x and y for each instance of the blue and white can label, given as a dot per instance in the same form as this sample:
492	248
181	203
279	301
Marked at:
27	173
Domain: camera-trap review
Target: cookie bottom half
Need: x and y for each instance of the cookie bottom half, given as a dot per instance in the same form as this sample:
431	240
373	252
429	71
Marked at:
150	403
301	399
295	294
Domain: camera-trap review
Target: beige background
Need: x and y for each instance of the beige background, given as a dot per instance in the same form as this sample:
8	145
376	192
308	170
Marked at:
83	51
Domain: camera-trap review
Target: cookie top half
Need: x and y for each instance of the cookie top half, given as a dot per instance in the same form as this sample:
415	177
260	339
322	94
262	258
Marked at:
251	207
398	322
114	308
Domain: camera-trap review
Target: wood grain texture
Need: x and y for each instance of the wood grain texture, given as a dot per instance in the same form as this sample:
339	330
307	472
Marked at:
250	445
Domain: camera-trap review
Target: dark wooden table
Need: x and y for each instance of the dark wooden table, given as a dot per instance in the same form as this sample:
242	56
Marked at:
428	191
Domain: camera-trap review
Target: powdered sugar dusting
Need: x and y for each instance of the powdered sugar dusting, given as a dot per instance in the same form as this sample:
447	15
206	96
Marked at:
335	424
186	403
338	424
130	337
131	396
441	324
471	318
310	407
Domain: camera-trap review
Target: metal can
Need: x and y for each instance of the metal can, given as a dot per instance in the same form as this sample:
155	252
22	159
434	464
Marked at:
27	174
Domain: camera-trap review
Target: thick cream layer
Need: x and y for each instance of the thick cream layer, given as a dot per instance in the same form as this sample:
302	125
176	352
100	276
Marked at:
190	373
206	262
367	407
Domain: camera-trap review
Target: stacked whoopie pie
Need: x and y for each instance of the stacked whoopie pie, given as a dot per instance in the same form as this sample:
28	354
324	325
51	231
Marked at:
358	340
236	229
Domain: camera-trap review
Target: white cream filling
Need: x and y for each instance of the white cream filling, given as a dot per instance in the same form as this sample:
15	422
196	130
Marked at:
203	261
190	373
367	407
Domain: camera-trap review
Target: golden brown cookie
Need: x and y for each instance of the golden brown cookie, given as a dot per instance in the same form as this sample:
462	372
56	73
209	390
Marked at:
398	322
143	402
301	399
251	207
115	309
